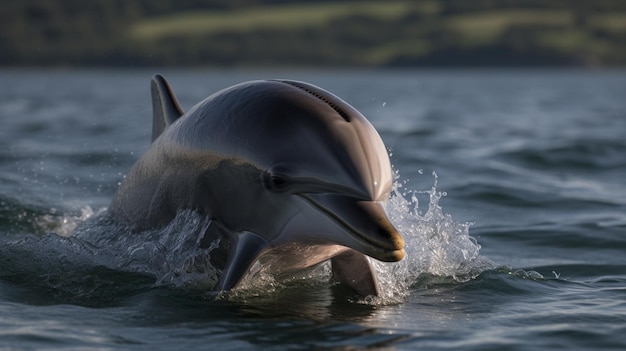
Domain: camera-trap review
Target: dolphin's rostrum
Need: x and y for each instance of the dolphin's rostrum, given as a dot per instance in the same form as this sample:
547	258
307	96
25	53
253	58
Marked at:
289	174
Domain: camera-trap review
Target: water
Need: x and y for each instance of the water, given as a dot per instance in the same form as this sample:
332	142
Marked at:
511	196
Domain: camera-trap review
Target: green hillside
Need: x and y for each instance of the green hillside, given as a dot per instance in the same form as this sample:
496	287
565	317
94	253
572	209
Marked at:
307	33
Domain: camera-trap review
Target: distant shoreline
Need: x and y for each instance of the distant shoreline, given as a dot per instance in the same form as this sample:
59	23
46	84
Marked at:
300	33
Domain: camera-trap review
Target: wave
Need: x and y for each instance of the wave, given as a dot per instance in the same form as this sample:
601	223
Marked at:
579	154
90	257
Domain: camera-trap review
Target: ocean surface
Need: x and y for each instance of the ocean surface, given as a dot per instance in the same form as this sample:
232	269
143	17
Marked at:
510	194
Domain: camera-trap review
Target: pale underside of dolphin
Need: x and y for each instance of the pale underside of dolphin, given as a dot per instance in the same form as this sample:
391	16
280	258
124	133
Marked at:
289	174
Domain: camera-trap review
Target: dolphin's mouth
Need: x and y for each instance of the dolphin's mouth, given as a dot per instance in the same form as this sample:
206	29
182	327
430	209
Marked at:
366	221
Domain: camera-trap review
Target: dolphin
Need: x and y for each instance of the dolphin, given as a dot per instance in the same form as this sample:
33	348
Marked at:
289	175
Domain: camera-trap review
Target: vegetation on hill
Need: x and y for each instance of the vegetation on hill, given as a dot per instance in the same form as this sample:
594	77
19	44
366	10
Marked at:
307	32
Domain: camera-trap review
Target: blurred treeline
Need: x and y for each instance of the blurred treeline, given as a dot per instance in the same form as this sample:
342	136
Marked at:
312	33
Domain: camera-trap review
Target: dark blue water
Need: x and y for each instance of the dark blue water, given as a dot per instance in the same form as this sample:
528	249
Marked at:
511	195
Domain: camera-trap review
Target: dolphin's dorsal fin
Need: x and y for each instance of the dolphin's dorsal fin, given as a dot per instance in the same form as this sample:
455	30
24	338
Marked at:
165	107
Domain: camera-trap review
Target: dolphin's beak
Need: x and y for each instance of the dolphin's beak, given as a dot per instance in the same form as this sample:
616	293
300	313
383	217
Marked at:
366	221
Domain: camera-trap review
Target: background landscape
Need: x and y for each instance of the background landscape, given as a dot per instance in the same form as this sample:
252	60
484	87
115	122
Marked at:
300	33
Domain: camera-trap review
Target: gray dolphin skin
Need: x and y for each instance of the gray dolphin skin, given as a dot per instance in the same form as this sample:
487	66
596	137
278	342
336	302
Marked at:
288	174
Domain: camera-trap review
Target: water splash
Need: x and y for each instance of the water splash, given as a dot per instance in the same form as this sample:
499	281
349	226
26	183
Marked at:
87	243
65	224
435	245
101	258
171	254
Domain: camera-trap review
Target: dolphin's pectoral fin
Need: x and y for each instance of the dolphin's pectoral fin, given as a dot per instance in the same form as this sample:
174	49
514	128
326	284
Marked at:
165	107
232	253
244	249
355	270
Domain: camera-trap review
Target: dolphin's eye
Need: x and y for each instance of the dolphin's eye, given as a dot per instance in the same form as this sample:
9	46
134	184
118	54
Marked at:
278	181
275	181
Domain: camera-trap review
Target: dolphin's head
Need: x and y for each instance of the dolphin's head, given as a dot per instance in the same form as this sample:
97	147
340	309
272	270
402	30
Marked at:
340	177
324	172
